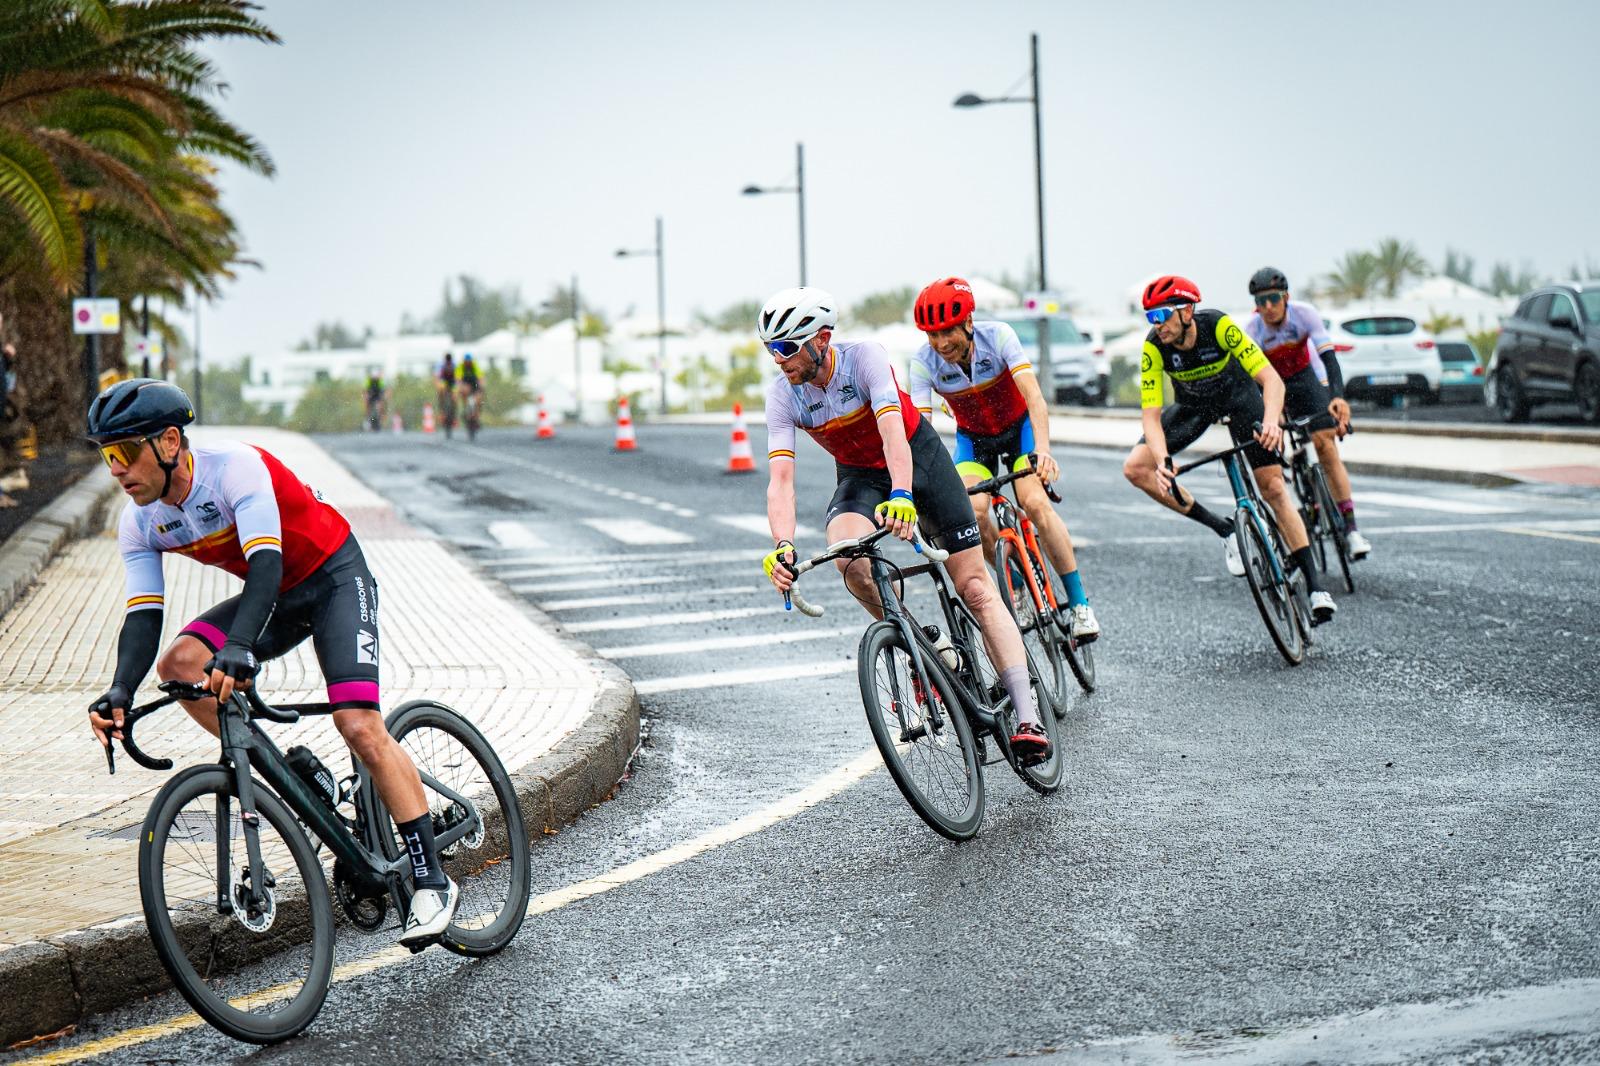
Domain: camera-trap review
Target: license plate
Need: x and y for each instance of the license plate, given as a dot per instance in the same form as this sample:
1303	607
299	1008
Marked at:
1386	379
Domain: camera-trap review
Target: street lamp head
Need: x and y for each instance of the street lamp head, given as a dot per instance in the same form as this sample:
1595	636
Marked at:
969	100
752	190
622	253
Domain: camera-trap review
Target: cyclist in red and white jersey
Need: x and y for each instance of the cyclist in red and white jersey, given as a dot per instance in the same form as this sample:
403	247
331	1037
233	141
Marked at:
983	376
892	470
237	507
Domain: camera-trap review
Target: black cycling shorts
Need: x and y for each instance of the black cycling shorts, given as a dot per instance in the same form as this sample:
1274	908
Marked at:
1184	422
944	512
337	607
1304	396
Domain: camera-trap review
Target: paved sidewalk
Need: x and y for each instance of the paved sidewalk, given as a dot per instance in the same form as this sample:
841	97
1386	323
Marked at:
567	721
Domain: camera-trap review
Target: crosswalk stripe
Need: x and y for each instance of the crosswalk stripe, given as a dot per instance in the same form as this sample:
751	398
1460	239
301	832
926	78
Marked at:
752	676
637	531
1430	503
514	568
626	598
757	523
515	535
670	618
601	583
691	647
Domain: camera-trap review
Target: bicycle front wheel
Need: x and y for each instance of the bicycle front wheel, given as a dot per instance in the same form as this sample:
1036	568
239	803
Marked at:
1076	656
210	930
1269	584
922	733
491	863
1333	526
1038	631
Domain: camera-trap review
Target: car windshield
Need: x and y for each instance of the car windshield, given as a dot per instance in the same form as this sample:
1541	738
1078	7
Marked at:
1389	326
1062	331
1591	304
1456	352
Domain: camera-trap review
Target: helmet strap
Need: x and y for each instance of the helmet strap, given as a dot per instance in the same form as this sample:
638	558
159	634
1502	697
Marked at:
167	466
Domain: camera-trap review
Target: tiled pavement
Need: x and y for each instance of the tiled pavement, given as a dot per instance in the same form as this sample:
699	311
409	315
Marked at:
68	848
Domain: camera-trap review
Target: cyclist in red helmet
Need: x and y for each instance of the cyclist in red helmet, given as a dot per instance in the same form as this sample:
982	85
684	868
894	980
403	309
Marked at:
985	379
1216	370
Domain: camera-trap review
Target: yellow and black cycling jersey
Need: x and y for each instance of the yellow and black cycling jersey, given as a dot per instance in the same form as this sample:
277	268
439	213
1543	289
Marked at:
1223	355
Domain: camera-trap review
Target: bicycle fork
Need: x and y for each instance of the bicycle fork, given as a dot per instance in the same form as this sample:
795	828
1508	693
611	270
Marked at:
1246	503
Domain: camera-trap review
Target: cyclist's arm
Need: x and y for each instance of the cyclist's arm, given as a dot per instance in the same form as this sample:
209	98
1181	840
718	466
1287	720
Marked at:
921	383
896	448
260	530
780	469
1155	437
140	638
1038	412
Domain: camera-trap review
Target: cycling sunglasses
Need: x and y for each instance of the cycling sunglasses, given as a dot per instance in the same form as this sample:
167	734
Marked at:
786	350
125	452
1157	315
1269	298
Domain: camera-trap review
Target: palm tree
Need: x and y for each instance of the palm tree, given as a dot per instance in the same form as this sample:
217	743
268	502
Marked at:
1398	260
1355	277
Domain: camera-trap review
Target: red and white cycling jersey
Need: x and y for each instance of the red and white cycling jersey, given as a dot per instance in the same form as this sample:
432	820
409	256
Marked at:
986	400
843	416
1293	344
240	501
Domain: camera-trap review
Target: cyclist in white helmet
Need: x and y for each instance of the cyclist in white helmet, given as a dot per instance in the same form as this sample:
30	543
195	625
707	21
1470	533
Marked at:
893	470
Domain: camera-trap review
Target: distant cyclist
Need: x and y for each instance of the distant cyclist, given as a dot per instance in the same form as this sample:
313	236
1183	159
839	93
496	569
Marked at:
1296	342
444	387
375	400
1216	370
237	507
980	371
891	470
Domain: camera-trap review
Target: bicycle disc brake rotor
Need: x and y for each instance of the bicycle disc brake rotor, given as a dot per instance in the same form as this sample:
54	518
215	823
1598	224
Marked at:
258	919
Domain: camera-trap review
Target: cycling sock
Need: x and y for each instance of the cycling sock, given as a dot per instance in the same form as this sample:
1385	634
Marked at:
1348	509
1075	593
1302	559
1015	679
418	837
1222	527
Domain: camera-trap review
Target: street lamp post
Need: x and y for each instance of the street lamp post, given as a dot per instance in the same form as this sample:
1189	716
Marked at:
661	305
577	353
798	187
973	100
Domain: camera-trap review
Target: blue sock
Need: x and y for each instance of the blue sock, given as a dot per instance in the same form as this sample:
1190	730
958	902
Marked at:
1075	594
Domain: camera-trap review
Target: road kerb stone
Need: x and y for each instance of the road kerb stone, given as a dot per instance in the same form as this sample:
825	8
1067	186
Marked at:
40	993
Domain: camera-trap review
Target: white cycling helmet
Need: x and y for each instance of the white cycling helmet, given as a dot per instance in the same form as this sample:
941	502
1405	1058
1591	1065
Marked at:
796	314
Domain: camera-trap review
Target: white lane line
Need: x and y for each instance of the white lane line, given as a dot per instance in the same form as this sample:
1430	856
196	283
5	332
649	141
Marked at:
637	531
1526	532
624	599
1570	525
517	566
757	523
1430	503
690	647
600	583
671	618
515	535
753	676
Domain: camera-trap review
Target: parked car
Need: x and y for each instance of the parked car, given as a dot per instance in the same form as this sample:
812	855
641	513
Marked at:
1385	356
1082	374
1548	351
1460	372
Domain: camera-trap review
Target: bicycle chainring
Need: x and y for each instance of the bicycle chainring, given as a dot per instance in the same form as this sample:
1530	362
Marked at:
365	912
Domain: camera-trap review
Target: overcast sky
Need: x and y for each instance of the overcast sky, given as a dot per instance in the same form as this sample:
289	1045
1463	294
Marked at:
526	142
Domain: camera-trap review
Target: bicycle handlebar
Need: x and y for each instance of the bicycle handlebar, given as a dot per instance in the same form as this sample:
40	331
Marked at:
999	481
184	690
856	547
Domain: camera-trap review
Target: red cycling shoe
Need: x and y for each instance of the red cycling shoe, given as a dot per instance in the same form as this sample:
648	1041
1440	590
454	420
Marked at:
1031	744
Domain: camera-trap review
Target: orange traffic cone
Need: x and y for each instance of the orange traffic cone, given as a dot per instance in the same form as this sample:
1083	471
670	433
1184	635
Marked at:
398	423
625	442
427	418
546	430
740	461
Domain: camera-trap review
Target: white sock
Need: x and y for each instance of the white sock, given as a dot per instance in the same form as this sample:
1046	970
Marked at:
1015	679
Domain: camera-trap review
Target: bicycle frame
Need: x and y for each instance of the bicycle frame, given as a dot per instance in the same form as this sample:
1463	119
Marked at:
1013	525
1246	498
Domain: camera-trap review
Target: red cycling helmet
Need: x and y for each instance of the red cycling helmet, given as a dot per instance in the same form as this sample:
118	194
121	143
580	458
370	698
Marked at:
1169	290
945	303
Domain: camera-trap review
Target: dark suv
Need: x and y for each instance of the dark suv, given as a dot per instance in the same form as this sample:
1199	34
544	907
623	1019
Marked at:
1549	352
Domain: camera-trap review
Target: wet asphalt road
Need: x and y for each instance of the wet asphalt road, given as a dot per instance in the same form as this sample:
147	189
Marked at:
1246	857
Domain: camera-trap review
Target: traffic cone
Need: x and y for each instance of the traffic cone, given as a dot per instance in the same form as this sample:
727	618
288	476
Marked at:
397	423
625	442
546	430
427	418
740	461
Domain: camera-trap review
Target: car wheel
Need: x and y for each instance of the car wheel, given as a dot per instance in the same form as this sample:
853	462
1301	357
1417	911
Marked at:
1508	397
1588	392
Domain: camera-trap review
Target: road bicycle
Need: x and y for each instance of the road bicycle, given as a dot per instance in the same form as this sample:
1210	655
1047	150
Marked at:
228	874
472	407
1035	590
447	411
1324	522
1275	583
933	699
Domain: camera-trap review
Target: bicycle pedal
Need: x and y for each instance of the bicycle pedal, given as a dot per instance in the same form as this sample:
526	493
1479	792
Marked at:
418	949
908	735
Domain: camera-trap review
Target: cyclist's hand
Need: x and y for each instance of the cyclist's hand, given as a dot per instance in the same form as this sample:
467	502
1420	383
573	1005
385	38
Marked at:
230	668
1045	463
899	513
1165	478
105	714
1270	437
777	563
1339	408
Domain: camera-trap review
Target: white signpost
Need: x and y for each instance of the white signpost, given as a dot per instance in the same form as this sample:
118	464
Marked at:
99	315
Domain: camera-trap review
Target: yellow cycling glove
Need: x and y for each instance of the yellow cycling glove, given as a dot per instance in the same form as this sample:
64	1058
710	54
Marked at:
899	505
769	562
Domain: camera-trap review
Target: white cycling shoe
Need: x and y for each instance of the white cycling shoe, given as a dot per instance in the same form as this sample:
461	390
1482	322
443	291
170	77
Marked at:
1235	560
431	911
1360	546
1322	607
1082	624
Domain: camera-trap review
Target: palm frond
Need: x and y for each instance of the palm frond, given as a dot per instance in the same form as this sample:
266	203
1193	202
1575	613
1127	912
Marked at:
31	186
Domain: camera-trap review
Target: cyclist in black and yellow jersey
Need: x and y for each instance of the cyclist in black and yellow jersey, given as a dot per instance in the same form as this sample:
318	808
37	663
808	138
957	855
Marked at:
1216	370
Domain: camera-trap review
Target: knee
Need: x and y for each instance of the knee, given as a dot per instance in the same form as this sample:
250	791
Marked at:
365	734
977	591
1134	467
184	660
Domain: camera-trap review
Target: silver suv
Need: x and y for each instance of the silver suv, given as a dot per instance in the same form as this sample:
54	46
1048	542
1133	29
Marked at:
1079	372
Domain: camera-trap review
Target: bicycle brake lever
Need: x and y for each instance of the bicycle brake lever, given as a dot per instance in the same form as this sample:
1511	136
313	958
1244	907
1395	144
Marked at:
111	757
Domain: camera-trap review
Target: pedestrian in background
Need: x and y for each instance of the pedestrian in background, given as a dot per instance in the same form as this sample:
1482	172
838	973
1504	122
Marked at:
17	441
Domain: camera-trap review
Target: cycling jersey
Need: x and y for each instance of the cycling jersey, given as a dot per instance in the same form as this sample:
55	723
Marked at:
1223	355
468	376
374	389
983	396
843	415
1285	344
447	374
241	500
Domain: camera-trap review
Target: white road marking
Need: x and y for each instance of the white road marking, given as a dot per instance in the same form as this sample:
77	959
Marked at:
1552	534
515	535
519	566
1578	525
757	523
637	531
690	647
600	583
671	618
753	676
627	598
1430	503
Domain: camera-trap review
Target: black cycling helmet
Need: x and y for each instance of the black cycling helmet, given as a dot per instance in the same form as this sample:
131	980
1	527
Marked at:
1268	279
138	407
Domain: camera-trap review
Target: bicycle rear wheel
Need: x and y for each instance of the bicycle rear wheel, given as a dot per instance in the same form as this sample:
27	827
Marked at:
1043	777
1334	528
922	733
1077	657
1273	598
1038	631
194	885
491	863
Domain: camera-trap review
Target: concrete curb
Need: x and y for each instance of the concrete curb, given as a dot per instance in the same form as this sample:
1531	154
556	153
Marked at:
59	981
31	548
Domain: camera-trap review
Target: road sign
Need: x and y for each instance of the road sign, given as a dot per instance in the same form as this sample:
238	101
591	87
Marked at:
1045	303
99	315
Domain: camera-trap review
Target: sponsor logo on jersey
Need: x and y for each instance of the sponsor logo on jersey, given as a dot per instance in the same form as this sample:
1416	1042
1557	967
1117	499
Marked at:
847	391
169	527
366	647
985	365
208	511
1232	337
814	407
1145	363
